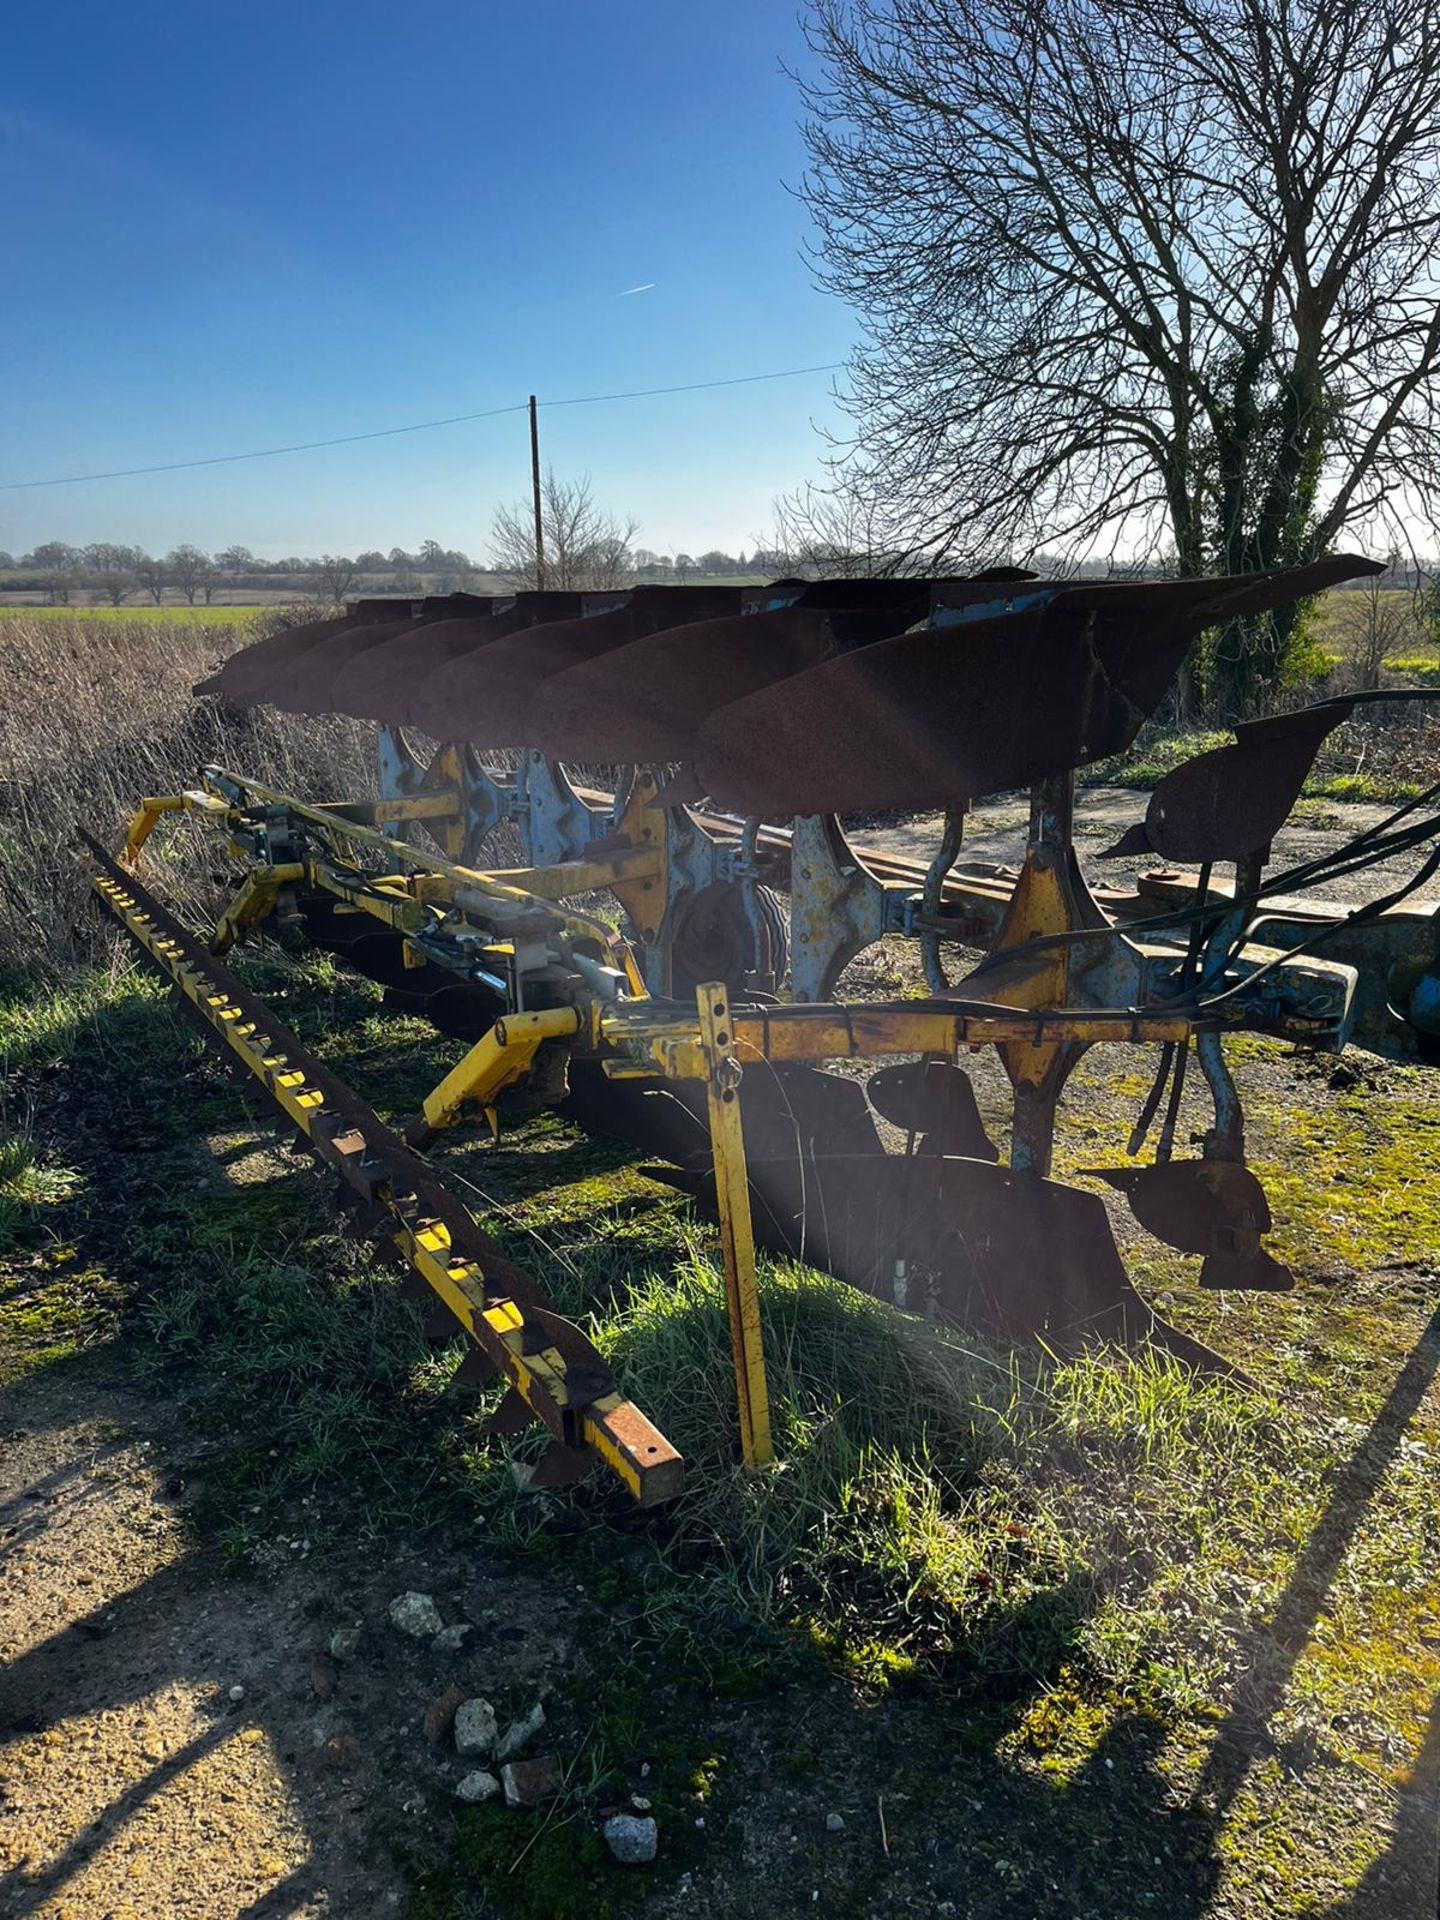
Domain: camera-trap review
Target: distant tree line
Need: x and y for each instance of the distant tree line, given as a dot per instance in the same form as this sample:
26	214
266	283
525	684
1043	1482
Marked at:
105	570
586	547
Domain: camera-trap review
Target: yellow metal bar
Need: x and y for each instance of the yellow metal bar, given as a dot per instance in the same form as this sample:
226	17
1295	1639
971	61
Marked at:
584	876
153	807
847	1033
614	1426
737	1238
338	828
670	1042
254	902
497	1059
417	806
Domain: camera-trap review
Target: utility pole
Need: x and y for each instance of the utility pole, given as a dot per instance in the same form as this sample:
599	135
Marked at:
535	487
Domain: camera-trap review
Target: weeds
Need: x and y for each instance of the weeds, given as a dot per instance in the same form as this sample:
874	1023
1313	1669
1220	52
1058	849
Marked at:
96	713
29	1181
1384	754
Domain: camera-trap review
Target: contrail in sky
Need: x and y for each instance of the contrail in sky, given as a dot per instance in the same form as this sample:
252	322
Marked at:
644	287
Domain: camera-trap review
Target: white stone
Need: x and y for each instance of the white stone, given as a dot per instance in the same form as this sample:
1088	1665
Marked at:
417	1615
834	1823
344	1641
475	1727
633	1839
452	1639
517	1737
477	1787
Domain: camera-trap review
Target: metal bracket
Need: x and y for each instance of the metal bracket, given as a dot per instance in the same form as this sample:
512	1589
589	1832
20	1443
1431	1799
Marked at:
837	906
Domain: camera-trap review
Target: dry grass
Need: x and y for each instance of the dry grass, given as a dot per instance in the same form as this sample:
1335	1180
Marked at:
93	714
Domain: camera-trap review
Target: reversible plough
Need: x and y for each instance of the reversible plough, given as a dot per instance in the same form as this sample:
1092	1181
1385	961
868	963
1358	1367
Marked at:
724	731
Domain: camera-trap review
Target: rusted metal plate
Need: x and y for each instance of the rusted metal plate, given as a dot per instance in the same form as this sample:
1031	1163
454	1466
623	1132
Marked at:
935	1101
490	704
645	702
946	715
311	683
244	675
306	685
873	594
429	664
255	674
1232	801
1217	1208
982	1245
906	600
388	683
379	682
251	674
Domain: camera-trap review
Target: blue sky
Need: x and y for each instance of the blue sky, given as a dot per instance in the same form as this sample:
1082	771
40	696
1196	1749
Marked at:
230	227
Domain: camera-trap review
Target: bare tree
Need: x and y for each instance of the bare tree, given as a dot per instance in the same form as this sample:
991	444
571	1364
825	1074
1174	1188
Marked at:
112	570
1135	271
1376	621
53	555
105	556
834	533
153	575
334	576
236	560
117	587
189	568
585	546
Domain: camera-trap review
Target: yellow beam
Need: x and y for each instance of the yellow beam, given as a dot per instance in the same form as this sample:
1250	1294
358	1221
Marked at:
153	807
417	806
336	828
671	1043
594	875
737	1238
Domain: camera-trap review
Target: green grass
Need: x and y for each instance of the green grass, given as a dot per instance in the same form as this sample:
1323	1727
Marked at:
1420	664
139	611
1020	1566
1159	752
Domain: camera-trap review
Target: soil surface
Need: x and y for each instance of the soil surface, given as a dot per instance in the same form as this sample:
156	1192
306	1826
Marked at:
176	1741
995	835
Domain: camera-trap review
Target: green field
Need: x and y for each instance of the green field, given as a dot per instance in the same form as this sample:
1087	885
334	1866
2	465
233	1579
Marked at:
139	615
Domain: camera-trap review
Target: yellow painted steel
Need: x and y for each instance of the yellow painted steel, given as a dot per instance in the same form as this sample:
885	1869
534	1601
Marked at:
151	810
643	891
497	1060
616	1429
417	806
737	1238
254	902
657	1037
494	892
594	875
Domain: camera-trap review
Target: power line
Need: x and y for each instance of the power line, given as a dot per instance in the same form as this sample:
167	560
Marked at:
260	453
698	386
418	426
